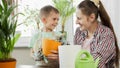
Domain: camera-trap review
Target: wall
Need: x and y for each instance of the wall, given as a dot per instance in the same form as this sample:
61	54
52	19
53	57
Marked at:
22	54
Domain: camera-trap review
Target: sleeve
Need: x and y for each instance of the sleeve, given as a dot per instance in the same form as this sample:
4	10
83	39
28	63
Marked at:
35	44
58	33
77	33
105	49
33	40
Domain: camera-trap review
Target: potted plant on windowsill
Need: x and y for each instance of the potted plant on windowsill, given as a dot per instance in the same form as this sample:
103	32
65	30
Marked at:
8	37
66	9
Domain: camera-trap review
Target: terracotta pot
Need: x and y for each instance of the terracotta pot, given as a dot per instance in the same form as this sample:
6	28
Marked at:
8	64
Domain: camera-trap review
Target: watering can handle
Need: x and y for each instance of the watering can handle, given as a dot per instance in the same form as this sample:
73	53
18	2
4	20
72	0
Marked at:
81	62
88	55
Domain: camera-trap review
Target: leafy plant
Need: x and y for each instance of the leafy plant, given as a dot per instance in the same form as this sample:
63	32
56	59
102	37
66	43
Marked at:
8	24
65	8
31	18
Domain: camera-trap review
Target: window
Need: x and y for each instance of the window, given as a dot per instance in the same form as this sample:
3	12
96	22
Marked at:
25	7
76	2
26	31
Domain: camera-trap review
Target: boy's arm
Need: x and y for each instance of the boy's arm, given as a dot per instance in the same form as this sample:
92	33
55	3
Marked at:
31	52
36	50
33	40
32	44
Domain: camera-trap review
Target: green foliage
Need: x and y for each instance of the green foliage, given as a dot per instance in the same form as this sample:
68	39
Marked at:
8	25
31	18
65	8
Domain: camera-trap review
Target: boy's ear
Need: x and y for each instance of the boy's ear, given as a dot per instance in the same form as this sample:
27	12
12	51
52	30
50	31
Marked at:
43	20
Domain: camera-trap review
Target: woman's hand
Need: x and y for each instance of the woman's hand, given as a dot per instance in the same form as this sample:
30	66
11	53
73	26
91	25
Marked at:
53	55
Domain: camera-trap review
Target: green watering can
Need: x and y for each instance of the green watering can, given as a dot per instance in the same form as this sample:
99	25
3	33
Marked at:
85	60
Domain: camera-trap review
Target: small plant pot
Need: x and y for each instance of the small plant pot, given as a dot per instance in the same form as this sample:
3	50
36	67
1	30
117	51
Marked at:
8	63
48	45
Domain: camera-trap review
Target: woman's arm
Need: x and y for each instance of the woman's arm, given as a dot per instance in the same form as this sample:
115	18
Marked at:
105	49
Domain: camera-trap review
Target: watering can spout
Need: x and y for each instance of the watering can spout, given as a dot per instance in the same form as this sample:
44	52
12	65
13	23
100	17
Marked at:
96	62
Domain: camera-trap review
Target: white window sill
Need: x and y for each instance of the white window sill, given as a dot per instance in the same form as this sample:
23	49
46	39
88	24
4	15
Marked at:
23	42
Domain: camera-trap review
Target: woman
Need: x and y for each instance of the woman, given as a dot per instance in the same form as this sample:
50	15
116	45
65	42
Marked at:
96	37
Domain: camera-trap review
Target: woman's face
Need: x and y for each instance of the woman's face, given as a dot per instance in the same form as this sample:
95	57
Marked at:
83	20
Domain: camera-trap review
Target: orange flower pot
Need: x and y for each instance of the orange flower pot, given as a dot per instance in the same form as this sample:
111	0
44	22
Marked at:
48	45
9	64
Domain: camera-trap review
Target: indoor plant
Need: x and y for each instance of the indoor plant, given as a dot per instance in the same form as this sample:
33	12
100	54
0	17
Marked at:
8	37
30	18
66	9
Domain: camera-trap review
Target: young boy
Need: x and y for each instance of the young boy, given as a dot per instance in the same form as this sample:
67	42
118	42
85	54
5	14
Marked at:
49	17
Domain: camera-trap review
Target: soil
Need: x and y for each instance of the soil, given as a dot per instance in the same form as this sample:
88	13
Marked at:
8	60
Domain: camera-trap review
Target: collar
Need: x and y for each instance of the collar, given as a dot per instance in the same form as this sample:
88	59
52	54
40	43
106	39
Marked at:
85	32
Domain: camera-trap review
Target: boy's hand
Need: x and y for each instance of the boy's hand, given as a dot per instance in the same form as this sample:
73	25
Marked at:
54	55
31	52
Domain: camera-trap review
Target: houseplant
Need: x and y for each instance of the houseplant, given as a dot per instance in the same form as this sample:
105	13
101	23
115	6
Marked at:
8	37
31	18
66	9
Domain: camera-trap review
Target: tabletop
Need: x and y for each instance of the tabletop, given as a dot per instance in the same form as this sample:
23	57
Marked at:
31	66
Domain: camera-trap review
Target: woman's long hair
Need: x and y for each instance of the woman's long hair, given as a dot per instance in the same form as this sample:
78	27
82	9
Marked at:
106	21
88	7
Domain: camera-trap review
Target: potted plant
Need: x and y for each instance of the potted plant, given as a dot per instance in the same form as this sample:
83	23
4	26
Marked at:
66	9
8	37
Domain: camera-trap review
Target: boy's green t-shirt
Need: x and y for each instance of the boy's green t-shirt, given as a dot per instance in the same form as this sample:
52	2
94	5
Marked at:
35	43
39	35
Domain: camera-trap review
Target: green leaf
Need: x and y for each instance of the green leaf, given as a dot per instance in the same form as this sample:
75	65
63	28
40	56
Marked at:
14	40
7	30
10	10
17	15
65	8
2	38
5	5
1	9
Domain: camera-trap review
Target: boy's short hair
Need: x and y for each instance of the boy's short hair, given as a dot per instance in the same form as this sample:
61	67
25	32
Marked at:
45	11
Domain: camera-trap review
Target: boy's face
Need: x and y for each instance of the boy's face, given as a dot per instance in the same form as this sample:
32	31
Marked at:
51	21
